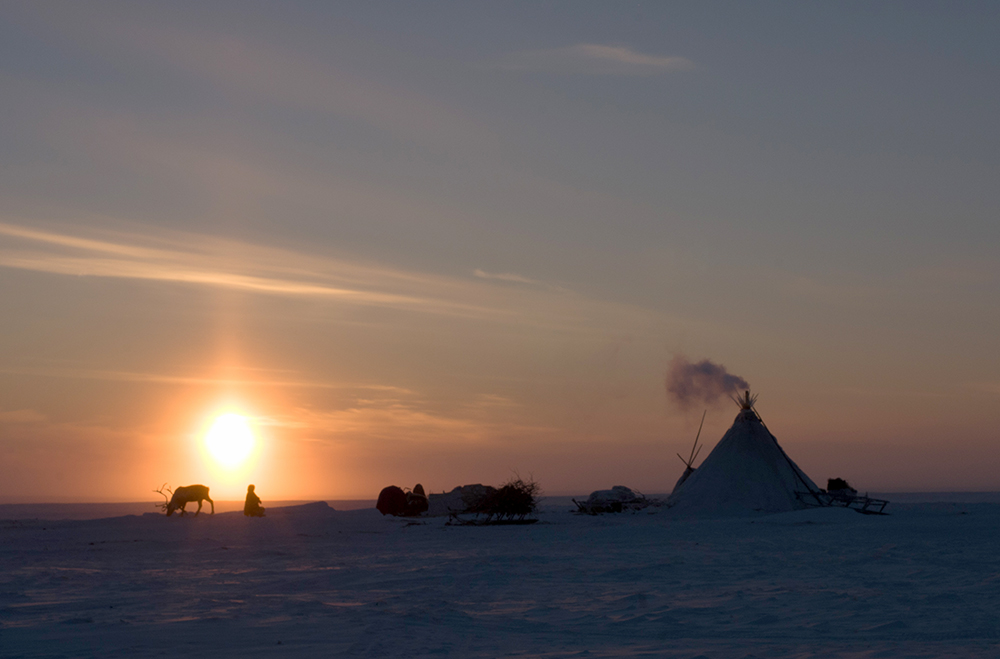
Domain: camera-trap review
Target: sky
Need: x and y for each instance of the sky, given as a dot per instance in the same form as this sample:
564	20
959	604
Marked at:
454	242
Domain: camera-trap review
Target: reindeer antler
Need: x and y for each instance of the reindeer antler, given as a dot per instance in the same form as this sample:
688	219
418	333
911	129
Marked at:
167	501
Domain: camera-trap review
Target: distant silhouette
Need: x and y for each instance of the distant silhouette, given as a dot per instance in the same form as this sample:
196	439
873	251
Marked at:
252	507
183	496
393	500
416	501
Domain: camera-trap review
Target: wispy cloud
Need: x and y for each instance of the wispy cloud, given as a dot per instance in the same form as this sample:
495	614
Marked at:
492	401
202	260
503	276
182	258
513	278
406	421
594	59
247	380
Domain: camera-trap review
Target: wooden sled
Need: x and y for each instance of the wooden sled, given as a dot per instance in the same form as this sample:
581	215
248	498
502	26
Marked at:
856	502
455	520
585	508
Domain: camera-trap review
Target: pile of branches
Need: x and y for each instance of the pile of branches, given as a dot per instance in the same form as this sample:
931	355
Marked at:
510	503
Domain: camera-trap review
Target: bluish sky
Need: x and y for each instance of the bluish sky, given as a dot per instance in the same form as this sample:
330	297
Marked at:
441	242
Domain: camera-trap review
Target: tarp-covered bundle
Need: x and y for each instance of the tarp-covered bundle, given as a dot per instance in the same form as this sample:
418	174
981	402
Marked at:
461	499
747	472
619	498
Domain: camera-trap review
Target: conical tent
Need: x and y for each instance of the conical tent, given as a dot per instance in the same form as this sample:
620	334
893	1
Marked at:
747	472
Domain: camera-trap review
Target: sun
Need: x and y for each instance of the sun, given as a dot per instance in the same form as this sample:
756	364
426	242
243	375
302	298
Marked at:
230	440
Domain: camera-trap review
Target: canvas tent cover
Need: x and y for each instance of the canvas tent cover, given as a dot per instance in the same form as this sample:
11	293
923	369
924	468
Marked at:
747	472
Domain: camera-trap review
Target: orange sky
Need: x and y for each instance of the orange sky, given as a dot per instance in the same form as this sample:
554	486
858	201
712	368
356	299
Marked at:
450	246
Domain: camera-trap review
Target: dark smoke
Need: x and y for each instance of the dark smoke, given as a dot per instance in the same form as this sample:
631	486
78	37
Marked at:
704	382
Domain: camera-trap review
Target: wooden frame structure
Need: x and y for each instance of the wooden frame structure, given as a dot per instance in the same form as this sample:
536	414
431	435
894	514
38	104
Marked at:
862	504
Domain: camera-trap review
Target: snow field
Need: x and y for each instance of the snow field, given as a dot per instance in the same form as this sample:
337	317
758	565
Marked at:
310	581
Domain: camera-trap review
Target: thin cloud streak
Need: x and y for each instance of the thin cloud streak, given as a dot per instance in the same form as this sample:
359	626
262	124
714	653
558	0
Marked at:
168	272
401	422
503	276
199	260
594	59
513	278
193	265
186	380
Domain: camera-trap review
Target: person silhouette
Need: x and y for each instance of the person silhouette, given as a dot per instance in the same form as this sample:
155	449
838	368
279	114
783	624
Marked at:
252	507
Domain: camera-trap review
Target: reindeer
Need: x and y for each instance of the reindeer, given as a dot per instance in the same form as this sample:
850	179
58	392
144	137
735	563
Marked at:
183	496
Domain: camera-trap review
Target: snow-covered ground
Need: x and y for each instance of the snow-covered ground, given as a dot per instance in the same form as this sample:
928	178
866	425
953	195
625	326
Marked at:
312	581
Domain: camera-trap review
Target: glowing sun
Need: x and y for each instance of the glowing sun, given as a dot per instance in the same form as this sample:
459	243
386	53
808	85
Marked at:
230	440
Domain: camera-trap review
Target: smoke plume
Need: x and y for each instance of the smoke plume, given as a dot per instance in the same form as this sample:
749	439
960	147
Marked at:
705	382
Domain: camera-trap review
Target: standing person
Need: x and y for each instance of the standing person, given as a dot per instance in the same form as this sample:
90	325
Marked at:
252	507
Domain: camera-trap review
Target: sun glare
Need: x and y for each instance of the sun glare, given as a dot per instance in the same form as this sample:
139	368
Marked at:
230	440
